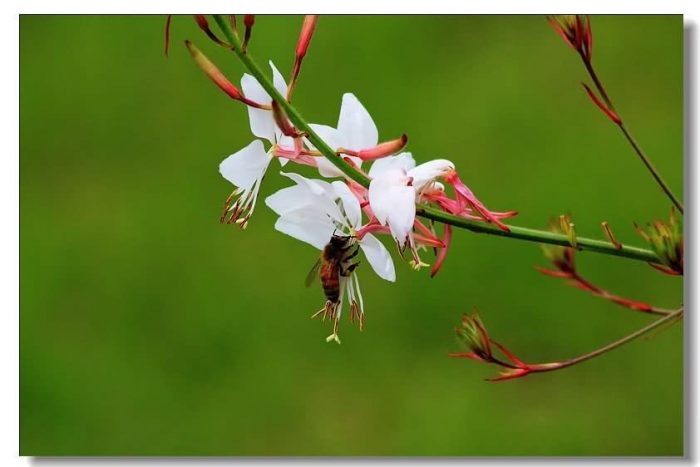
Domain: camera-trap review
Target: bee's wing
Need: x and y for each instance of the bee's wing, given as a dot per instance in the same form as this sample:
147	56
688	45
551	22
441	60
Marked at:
313	274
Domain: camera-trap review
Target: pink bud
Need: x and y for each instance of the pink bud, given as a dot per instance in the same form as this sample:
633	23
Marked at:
217	77
213	72
383	149
248	22
203	24
307	31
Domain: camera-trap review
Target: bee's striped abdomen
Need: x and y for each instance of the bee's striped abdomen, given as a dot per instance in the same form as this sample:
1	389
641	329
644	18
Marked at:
330	280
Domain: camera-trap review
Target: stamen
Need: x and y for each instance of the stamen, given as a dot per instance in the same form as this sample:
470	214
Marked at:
242	208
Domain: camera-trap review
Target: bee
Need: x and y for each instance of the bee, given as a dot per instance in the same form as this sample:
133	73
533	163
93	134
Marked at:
337	261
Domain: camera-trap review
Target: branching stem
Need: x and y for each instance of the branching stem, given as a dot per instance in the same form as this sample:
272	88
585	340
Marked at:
521	233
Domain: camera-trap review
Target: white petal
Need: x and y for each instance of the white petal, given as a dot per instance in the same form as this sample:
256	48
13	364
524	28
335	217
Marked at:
356	125
328	134
334	140
327	169
262	124
393	202
289	199
246	166
403	215
324	196
351	205
311	230
429	171
317	187
278	80
402	161
253	90
378	257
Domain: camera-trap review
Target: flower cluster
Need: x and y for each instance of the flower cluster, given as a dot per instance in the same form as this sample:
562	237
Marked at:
338	215
473	335
666	239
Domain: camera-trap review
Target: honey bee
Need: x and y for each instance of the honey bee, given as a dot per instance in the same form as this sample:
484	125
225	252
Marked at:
337	261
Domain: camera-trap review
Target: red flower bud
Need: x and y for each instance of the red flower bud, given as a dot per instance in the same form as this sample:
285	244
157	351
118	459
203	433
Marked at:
248	22
383	149
307	32
213	72
203	24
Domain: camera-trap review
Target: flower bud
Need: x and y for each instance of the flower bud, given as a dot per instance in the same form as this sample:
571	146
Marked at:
576	31
248	22
203	24
217	76
213	72
307	32
561	257
383	149
473	334
666	239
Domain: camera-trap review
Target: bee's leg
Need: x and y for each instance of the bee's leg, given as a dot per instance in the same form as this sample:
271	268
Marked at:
327	311
350	245
351	267
352	255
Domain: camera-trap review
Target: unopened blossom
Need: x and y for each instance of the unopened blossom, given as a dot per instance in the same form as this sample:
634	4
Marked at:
246	168
313	211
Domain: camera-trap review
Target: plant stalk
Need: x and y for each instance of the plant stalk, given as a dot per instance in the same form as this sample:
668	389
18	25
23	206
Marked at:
542	367
520	233
628	136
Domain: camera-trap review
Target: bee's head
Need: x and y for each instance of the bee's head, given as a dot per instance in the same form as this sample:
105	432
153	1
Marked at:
340	241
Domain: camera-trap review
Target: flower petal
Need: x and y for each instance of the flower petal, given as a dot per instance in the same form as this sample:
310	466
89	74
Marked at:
402	161
351	205
323	196
429	171
378	257
246	166
328	134
356	125
253	90
289	199
393	202
317	187
278	80
304	225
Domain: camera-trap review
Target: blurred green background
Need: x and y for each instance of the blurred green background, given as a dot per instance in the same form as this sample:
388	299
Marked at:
147	328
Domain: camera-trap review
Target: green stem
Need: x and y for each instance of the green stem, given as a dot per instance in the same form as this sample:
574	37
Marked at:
520	233
542	367
628	136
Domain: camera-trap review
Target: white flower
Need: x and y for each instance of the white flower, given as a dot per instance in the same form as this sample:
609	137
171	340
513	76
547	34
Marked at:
356	131
246	168
396	183
314	211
